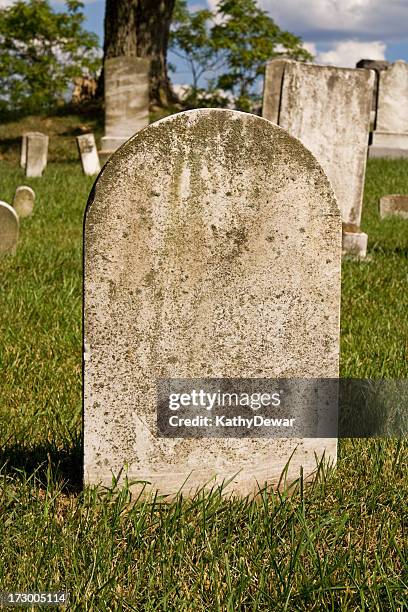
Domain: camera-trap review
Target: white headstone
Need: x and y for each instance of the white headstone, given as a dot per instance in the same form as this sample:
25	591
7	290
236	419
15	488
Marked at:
328	109
390	138
36	155
212	249
23	202
8	229
88	154
126	99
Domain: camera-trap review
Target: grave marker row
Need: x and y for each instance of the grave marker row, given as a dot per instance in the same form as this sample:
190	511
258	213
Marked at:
34	150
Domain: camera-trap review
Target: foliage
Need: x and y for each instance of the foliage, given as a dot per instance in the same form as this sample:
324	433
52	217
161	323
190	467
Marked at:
232	45
41	52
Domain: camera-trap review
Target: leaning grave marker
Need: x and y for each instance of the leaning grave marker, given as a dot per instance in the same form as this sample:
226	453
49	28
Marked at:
8	229
212	247
328	109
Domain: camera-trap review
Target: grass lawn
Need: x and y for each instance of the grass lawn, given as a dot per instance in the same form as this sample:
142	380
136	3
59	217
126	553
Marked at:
338	544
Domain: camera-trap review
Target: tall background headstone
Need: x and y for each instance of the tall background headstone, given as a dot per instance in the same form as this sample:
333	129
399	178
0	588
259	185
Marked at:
212	249
390	138
36	153
126	99
8	229
378	66
328	109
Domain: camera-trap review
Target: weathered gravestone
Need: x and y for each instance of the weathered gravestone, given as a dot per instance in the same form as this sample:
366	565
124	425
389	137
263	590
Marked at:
212	249
88	154
395	205
126	99
8	229
36	153
390	138
328	109
378	66
23	202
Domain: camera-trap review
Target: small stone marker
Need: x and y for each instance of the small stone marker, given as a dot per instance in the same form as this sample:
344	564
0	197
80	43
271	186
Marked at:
126	99
36	153
212	249
390	138
8	229
88	154
23	202
328	109
395	205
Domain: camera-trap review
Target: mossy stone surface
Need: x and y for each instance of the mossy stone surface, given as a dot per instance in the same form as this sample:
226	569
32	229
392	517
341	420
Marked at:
212	249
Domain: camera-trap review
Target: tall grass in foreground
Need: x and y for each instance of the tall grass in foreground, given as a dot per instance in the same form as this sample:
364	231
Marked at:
339	544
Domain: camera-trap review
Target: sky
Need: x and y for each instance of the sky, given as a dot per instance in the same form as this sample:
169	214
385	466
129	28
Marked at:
337	32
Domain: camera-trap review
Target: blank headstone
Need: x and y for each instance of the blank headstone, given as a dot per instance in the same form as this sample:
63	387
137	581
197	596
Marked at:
395	205
328	109
23	152
126	99
8	229
88	154
212	249
390	138
36	156
378	66
23	202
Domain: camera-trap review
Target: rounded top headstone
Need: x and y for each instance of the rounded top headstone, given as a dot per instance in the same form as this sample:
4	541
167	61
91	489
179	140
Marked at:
226	199
238	136
23	201
212	250
8	228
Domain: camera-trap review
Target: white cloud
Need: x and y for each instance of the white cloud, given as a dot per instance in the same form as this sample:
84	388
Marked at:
311	47
360	18
4	3
346	53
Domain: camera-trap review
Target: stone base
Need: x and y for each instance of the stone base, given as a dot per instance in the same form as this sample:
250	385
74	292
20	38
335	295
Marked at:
389	144
355	243
109	144
387	152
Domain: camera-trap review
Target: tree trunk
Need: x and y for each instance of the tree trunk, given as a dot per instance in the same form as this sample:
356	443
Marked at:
141	28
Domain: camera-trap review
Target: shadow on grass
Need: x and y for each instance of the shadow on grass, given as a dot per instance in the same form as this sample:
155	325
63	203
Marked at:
65	464
389	250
